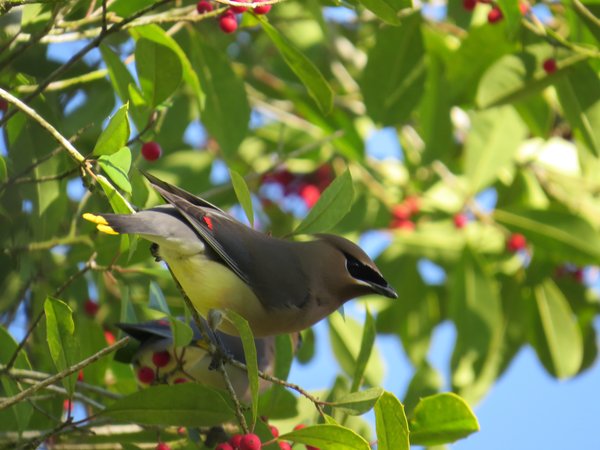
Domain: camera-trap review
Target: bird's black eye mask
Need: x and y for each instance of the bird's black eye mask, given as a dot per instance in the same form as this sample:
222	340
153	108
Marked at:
363	272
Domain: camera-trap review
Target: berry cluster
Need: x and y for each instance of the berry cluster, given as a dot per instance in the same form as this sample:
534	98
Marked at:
251	441
402	213
495	14
228	21
307	186
160	367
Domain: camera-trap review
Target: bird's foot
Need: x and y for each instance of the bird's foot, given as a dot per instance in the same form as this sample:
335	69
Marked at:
154	251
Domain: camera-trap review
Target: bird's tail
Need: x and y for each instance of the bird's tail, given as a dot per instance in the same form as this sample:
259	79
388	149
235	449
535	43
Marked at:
121	223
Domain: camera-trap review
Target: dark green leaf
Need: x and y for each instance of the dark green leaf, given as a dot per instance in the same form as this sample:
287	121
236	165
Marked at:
491	145
186	404
394	78
556	335
3	171
511	15
391	423
366	346
120	77
285	347
333	205
328	437
243	194
60	335
241	325
117	166
159	70
115	135
309	74
442	419
358	403
561	235
386	10
226	112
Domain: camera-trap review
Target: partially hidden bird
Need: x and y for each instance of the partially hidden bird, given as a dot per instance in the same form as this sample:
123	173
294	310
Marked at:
278	285
157	361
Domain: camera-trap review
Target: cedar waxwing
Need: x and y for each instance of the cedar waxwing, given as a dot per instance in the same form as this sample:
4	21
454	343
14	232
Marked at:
278	286
156	361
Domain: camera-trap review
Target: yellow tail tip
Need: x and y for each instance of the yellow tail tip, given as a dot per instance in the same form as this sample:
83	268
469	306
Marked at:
98	220
106	229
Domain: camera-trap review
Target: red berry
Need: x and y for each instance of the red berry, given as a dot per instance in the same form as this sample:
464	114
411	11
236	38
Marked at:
284	445
469	5
224	446
80	375
110	338
460	220
403	224
91	307
239	9
495	15
203	7
3	105
401	212
310	194
262	9
578	275
161	359
516	242
162	446
228	23
274	430
67	405
181	380
145	375
523	7
549	66
236	440
151	151
413	204
299	426
250	441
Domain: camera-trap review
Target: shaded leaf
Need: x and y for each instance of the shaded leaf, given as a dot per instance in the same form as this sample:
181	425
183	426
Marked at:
159	70
181	331
309	74
60	335
186	404
332	206
357	403
157	299
366	346
442	419
386	10
117	166
391	423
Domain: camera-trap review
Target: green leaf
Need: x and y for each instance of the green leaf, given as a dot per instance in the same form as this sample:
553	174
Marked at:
60	335
115	135
556	336
243	194
511	16
3	171
366	346
309	74
386	10
155	33
120	77
560	235
116	200
345	343
333	205
491	145
157	299
328	437
442	419
358	403
391	423
241	325
394	78
186	404
159	70
579	95
226	112
181	331
117	166
127	313
21	410
476	312
520	75
285	347
425	381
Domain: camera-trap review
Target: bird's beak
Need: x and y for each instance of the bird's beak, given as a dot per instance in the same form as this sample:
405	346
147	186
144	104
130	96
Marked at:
386	291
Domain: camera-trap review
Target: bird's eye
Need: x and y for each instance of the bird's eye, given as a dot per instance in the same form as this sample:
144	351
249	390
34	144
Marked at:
363	272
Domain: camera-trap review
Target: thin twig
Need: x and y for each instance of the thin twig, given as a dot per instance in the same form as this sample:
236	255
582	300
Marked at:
62	374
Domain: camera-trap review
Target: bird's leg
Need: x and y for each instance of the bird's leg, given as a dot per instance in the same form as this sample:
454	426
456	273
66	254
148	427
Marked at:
154	251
